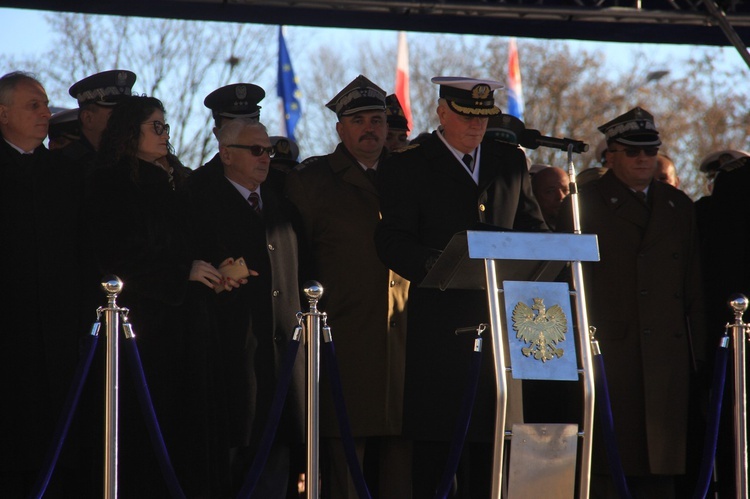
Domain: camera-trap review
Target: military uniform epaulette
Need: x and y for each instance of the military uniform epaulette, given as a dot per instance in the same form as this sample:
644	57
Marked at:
311	159
406	148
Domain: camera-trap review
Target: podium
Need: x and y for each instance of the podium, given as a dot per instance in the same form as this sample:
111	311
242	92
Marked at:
526	264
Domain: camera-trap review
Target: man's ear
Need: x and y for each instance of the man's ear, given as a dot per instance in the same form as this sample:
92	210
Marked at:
339	127
225	155
85	116
3	114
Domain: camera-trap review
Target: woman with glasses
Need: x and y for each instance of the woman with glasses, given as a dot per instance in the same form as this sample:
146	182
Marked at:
140	231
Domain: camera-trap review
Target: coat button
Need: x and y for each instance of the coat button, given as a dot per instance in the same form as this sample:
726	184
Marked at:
393	283
393	323
644	292
481	207
277	338
647	331
271	247
276	292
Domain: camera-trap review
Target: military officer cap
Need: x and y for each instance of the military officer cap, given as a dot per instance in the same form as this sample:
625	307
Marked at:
64	123
238	100
727	159
359	95
634	128
287	151
394	114
505	128
105	88
469	96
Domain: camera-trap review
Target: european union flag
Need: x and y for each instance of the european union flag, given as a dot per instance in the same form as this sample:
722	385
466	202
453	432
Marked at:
287	89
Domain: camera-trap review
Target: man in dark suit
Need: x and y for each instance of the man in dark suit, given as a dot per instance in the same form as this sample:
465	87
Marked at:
646	301
236	216
365	302
448	183
39	218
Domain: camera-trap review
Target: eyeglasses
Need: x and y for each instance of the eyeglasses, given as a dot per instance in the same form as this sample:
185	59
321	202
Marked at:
256	150
634	152
159	127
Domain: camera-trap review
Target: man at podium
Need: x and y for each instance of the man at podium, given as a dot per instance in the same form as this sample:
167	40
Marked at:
448	183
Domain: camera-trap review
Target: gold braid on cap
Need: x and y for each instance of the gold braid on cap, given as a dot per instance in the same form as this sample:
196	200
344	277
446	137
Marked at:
485	111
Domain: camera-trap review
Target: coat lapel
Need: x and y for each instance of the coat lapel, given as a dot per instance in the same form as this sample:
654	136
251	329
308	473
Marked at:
663	212
346	166
443	162
622	202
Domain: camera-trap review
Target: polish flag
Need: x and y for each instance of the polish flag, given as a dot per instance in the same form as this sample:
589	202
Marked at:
402	77
515	90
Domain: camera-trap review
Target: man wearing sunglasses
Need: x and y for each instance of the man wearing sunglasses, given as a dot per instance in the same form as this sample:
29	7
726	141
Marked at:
645	299
339	206
236	215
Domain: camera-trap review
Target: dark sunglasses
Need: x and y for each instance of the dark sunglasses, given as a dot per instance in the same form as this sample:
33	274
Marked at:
256	150
634	152
159	127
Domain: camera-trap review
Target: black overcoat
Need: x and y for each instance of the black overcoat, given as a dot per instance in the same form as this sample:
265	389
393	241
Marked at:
139	230
256	321
426	197
40	307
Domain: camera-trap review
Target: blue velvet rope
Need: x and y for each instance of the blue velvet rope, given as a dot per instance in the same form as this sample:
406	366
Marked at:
462	427
346	431
63	423
608	430
147	408
269	432
712	428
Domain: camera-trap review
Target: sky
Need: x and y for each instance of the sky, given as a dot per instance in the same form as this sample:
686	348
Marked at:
23	33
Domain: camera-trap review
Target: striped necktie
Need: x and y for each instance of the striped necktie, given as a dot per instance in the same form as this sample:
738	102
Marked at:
254	200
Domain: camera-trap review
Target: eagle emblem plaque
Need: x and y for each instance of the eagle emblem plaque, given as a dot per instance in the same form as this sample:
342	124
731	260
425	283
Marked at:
540	330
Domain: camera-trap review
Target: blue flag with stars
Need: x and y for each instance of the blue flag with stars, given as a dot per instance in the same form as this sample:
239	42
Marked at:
287	89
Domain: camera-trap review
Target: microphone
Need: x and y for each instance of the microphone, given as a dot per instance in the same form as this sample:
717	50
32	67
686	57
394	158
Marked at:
531	139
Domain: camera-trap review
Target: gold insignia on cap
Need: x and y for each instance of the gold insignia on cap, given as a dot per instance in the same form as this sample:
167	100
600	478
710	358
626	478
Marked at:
122	79
481	91
240	91
542	328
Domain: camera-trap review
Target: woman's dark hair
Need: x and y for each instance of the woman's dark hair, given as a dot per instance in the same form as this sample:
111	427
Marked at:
120	138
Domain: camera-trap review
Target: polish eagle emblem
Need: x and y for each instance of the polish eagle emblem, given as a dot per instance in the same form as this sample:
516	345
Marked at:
540	327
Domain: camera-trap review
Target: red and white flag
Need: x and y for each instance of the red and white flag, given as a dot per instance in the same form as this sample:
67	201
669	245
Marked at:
515	90
402	77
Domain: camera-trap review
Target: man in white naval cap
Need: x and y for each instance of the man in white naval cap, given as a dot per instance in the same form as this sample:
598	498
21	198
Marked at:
450	182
